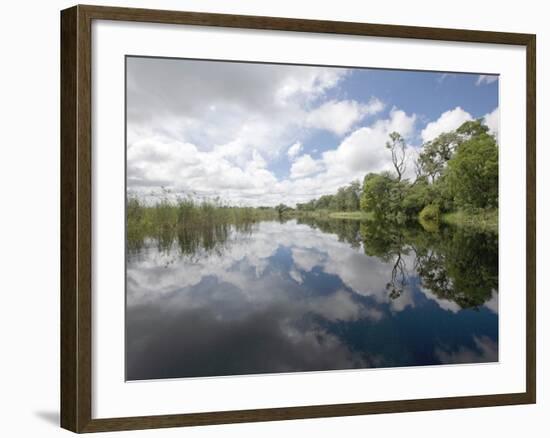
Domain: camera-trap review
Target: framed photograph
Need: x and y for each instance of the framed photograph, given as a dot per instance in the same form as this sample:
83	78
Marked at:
270	218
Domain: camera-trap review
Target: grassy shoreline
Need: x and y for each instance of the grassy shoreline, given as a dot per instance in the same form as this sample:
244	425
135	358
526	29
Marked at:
486	220
191	216
356	215
327	214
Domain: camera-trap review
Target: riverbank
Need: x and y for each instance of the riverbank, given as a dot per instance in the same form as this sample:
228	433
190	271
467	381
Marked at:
356	215
485	221
482	221
327	214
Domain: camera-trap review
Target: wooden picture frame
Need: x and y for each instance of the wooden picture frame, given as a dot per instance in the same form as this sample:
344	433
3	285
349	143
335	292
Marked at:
76	217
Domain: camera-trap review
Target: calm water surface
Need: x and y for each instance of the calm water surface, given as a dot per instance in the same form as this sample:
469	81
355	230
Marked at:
307	296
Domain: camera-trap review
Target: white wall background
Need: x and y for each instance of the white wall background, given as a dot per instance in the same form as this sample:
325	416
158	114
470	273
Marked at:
29	216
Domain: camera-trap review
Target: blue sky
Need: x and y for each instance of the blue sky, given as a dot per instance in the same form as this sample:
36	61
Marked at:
427	94
256	134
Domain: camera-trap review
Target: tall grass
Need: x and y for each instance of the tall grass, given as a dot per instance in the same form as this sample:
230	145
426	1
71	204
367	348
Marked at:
192	225
483	220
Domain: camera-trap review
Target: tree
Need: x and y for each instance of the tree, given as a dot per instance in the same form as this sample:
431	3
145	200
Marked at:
472	173
458	169
281	208
396	145
351	194
470	129
323	203
307	206
435	154
377	197
355	186
339	200
417	196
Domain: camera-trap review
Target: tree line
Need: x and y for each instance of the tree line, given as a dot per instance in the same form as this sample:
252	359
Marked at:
345	199
457	171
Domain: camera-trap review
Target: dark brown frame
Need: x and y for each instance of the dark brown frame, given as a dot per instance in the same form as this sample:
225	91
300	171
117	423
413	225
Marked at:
76	218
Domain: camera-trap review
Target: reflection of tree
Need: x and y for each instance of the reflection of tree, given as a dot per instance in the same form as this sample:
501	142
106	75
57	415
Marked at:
346	230
387	241
398	281
460	265
455	264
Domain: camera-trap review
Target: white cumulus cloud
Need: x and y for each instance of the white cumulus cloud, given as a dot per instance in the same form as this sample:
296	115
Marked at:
303	166
448	121
231	107
294	150
338	117
492	121
364	149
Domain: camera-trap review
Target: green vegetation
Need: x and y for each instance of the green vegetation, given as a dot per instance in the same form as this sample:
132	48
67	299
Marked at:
346	199
387	216
355	215
484	220
430	213
456	182
194	225
327	214
455	172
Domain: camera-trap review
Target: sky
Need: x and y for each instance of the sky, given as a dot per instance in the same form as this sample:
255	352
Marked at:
262	134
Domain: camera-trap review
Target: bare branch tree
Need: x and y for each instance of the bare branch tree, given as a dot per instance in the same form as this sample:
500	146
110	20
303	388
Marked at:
398	153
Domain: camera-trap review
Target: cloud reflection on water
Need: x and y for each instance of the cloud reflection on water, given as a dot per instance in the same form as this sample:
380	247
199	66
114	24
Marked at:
287	298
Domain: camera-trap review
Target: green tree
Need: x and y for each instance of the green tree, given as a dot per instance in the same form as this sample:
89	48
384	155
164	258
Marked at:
306	206
351	195
338	200
470	129
281	209
323	203
417	196
472	174
435	155
377	195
